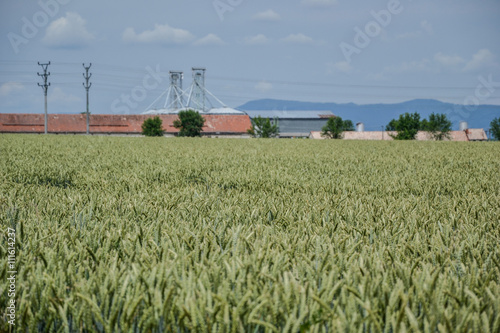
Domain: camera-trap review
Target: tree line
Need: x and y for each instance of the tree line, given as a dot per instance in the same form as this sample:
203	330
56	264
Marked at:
406	127
438	126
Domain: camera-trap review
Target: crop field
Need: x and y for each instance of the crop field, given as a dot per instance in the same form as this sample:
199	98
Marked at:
204	235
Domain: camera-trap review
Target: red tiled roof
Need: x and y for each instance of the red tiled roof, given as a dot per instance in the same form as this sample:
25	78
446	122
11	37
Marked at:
457	136
370	135
124	124
476	134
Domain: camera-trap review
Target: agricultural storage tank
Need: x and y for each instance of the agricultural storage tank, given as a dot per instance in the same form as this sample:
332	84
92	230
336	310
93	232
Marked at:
360	127
464	126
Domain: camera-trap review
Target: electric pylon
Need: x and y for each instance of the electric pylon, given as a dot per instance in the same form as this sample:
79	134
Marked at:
87	86
45	86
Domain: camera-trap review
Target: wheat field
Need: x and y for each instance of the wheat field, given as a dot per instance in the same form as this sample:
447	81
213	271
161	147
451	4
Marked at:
204	235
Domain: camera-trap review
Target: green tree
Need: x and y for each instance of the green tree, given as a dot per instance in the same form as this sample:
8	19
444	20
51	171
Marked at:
335	128
263	128
407	126
152	127
391	126
495	128
438	126
348	126
190	123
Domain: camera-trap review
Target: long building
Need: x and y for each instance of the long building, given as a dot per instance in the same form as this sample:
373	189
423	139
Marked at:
295	124
472	134
215	124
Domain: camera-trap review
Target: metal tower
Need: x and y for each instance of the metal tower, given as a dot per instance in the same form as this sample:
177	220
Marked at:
175	98
87	86
197	96
45	86
175	95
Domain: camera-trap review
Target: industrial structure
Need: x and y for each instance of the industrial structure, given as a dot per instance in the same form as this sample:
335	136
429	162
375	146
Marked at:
220	120
87	86
197	97
294	123
45	86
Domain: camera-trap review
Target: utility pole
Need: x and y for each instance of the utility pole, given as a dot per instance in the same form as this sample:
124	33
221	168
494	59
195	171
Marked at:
87	86
45	86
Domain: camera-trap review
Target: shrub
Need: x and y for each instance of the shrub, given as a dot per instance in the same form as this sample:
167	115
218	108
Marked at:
190	123
152	127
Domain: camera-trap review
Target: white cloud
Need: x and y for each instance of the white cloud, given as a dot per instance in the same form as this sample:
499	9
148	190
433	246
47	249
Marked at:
209	40
58	96
68	32
483	58
269	15
10	87
339	67
257	40
319	3
161	34
263	86
448	61
427	27
298	39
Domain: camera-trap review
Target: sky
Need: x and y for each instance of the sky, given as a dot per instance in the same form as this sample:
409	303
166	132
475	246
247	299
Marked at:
377	51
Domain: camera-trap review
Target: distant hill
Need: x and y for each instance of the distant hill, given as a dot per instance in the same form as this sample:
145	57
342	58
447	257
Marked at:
374	116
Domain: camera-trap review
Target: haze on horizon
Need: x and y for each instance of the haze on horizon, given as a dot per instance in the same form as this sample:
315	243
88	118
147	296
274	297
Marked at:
383	51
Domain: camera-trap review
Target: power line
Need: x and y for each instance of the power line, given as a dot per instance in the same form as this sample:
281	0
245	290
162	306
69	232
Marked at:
110	77
336	85
121	69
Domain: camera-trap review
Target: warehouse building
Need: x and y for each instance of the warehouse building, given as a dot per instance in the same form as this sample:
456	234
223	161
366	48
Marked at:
295	124
223	125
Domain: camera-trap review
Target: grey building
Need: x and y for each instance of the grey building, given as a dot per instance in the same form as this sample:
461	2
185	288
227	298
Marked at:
295	124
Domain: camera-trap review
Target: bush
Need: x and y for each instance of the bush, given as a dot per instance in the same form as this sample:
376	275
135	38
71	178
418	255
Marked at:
190	123
152	127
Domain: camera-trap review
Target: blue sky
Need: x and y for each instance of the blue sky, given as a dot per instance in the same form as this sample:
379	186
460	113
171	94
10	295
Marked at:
309	50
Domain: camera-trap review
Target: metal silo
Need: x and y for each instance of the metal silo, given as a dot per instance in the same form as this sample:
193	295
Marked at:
464	126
